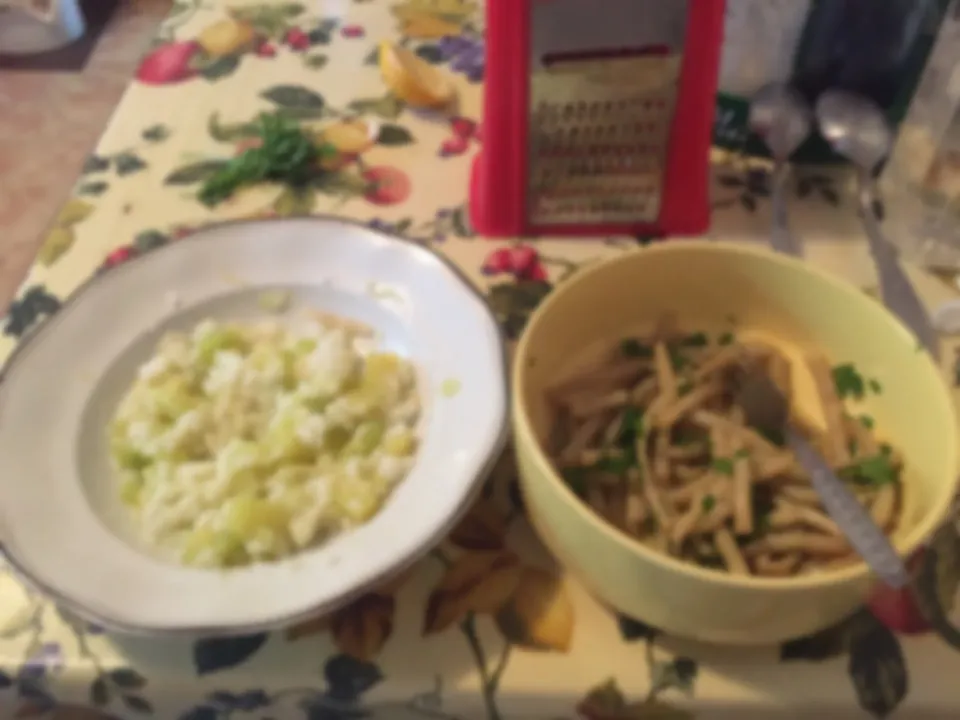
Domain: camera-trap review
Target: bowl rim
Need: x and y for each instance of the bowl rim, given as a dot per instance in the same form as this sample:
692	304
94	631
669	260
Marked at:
523	426
402	564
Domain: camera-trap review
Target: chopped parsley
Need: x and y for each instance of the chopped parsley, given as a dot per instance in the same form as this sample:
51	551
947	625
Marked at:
876	470
678	361
684	386
726	338
695	340
723	465
631	428
848	381
741	453
866	421
774	435
616	464
633	348
576	480
709	502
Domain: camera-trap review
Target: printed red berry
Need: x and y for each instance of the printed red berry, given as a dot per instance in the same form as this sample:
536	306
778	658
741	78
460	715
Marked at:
266	50
453	146
121	254
463	127
297	39
497	262
523	259
352	31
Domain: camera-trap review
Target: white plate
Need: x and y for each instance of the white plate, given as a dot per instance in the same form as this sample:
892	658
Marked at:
61	524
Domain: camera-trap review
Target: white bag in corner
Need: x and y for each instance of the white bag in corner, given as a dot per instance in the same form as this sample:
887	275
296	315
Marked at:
34	26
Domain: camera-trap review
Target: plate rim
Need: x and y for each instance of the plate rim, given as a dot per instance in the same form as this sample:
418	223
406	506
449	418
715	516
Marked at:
499	444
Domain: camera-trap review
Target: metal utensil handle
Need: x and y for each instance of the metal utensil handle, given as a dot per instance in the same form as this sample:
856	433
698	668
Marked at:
896	290
781	238
855	522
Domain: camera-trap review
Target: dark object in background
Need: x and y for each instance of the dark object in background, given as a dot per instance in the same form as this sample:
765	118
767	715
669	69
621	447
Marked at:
873	48
72	57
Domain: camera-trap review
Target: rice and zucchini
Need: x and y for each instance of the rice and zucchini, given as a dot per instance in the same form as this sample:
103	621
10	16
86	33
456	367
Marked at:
248	442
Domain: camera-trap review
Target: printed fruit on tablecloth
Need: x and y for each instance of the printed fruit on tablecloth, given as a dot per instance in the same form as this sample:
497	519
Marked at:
169	63
412	79
349	137
387	185
227	37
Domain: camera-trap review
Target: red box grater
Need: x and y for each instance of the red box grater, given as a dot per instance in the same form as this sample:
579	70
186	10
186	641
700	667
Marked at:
597	117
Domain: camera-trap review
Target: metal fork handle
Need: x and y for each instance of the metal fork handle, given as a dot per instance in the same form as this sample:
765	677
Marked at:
896	290
854	521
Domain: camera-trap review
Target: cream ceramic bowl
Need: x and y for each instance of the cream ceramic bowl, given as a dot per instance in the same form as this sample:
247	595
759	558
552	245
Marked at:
706	285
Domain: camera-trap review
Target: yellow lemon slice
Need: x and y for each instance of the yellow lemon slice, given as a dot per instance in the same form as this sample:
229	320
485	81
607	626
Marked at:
414	80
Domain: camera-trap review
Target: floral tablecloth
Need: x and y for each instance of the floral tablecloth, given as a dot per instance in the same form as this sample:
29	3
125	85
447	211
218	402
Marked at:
486	626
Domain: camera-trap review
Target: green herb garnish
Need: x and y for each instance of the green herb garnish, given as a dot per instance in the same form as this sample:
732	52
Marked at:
848	381
726	338
708	503
287	155
616	464
866	421
875	387
633	348
723	465
684	386
576	479
678	361
631	428
741	453
695	340
876	470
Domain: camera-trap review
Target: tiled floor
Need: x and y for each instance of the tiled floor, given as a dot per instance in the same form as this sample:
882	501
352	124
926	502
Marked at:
48	124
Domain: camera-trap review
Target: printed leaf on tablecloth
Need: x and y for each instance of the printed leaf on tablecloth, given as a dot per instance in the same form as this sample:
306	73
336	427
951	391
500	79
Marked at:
349	678
137	704
220	68
55	245
99	692
294	97
229	132
877	668
826	644
127	678
25	311
92	189
156	133
213	654
95	164
361	629
539	614
513	302
393	135
482	528
73	212
387	107
194	172
474	582
677	674
128	163
292	202
632	630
